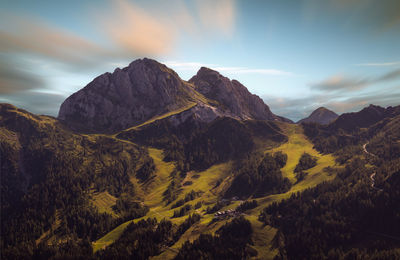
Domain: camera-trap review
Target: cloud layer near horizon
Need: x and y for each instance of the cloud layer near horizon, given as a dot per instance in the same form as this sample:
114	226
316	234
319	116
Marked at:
341	83
339	102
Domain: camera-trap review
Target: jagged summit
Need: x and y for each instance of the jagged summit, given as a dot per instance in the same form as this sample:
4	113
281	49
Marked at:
128	96
146	89
321	116
231	95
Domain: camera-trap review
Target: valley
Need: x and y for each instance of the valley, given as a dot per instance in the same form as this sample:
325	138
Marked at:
206	180
198	169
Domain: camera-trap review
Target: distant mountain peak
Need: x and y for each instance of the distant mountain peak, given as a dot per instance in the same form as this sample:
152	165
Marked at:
321	115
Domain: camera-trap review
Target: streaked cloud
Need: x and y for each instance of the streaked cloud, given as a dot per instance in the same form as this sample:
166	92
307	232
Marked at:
217	15
17	78
41	103
32	36
365	14
380	64
392	75
340	82
137	31
128	31
195	66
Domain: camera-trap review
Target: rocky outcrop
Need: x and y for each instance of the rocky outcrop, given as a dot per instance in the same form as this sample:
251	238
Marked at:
126	97
146	89
321	116
234	98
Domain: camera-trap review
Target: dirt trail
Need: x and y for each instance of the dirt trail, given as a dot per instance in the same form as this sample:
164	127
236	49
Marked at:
372	176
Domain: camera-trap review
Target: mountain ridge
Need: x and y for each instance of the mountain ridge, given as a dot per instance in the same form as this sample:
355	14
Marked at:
147	89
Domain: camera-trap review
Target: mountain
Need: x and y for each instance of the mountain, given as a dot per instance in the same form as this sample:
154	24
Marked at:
232	97
147	89
210	173
364	118
321	116
351	129
126	97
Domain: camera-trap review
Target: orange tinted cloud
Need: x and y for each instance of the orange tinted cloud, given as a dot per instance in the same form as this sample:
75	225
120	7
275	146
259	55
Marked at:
128	31
217	15
136	31
33	36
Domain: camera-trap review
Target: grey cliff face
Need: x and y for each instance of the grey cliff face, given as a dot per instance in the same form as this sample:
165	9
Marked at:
146	89
233	97
126	97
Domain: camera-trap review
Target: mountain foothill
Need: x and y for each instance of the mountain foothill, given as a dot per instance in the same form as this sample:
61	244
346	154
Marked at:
141	164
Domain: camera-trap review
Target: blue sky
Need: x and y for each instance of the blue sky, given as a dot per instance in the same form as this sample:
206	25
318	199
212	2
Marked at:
296	55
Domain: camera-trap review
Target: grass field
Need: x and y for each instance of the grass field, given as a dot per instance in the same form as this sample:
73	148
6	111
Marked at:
104	202
153	199
206	181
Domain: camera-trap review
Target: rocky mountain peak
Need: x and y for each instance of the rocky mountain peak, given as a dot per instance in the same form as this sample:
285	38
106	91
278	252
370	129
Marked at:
146	89
233	97
128	96
321	116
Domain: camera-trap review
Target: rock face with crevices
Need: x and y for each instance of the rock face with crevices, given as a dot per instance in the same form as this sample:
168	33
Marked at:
147	89
126	97
234	98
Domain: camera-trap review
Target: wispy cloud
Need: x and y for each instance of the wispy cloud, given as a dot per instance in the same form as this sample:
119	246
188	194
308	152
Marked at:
370	15
217	15
17	78
194	66
126	29
33	36
36	102
340	82
381	64
135	30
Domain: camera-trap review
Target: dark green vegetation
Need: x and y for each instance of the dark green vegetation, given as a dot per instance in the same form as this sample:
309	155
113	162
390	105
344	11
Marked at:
62	190
258	176
306	162
357	215
197	146
146	238
47	175
343	218
188	197
230	242
247	205
354	129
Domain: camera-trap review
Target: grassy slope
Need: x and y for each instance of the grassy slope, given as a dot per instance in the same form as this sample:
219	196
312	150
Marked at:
171	113
206	180
153	199
104	202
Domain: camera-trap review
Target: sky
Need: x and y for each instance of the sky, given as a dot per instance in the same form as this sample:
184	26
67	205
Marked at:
296	55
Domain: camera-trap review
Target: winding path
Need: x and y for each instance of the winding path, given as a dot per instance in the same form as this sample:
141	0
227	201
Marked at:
372	176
